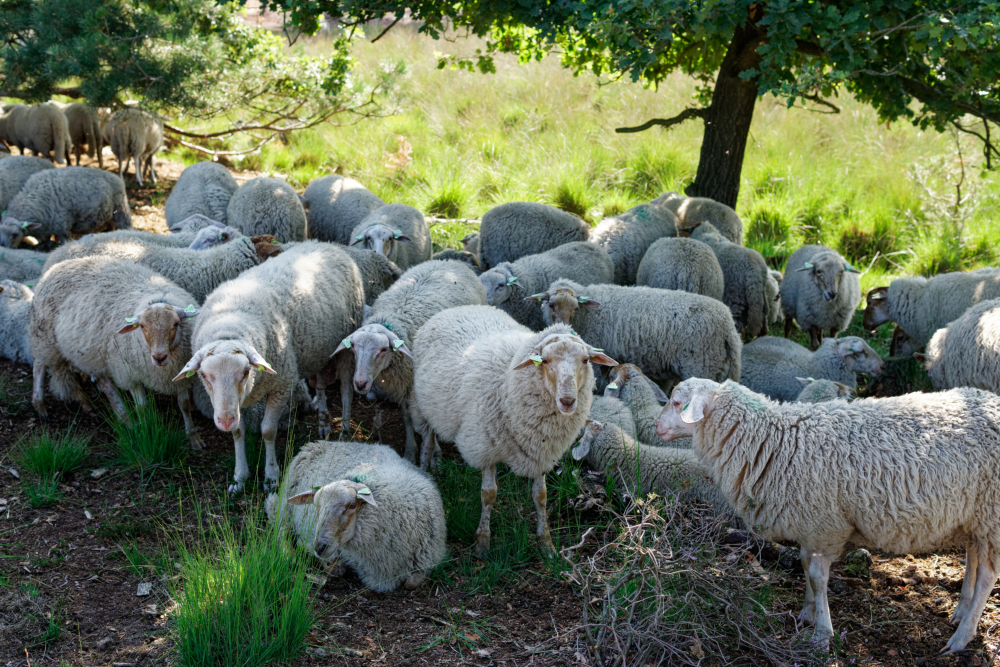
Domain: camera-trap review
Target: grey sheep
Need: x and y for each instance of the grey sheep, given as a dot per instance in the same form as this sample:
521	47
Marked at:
460	256
511	231
640	469
381	346
693	211
61	202
377	273
667	333
267	206
8	118
821	391
921	306
397	231
746	279
628	236
772	295
470	243
642	396
15	303
263	331
198	235
42	129
516	287
904	475
137	135
502	394
359	504
204	188
967	352
820	290
22	266
336	206
610	410
682	264
84	130
196	271
114	320
15	172
772	365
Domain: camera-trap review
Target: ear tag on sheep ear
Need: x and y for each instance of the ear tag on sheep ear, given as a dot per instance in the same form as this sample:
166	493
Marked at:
28	285
347	343
396	344
537	359
276	243
24	225
808	265
131	320
317	488
359	237
612	386
685	407
388	325
189	373
396	234
583	299
364	491
511	280
190	310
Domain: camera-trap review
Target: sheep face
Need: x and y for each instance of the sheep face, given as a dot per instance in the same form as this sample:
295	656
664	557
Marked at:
858	356
560	306
690	401
374	348
13	231
209	237
590	433
877	310
499	283
381	239
562	361
624	373
471	243
817	391
337	507
159	323
826	272
14	291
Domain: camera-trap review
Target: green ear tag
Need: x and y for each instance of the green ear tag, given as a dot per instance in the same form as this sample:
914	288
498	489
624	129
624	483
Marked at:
189	373
685	407
396	234
584	299
317	488
511	280
364	491
849	266
396	344
613	385
388	326
347	343
808	265
359	237
598	349
131	320
260	368
24	225
190	308
276	243
28	285
537	359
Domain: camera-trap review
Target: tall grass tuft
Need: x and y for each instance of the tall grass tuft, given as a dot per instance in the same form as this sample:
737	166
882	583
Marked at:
49	458
149	438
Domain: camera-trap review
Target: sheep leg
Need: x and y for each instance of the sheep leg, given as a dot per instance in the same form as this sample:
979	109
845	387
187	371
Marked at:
184	403
345	370
152	170
968	585
322	407
808	613
269	431
109	390
242	469
833	333
539	495
819	575
414	580
411	441
489	496
815	338
138	394
38	389
427	449
986	577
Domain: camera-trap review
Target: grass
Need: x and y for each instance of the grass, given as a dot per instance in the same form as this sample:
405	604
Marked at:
149	439
49	458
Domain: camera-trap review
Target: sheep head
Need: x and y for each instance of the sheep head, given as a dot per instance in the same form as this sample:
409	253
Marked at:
624	373
13	231
375	347
499	283
381	239
826	271
562	361
877	311
470	243
211	236
159	323
337	507
560	305
266	246
858	355
227	368
690	401
590	433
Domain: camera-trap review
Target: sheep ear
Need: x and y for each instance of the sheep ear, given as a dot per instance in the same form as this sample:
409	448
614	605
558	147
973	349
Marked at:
365	494
805	381
541	296
694	410
598	357
302	499
580	451
131	324
191	367
587	301
920	356
850	268
189	311
399	346
358	239
258	361
612	390
805	267
659	393
398	235
344	345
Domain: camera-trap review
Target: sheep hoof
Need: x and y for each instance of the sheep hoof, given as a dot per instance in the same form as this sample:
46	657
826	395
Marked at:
482	547
807	615
324	432
236	487
197	444
955	644
270	485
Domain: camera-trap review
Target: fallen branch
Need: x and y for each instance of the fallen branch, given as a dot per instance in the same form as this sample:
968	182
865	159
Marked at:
694	112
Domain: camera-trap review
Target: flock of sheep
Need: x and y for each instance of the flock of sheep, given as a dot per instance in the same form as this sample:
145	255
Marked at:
262	298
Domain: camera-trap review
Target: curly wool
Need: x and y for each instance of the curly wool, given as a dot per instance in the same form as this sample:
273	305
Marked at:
267	206
802	298
628	236
15	172
15	303
377	273
21	266
464	256
693	211
967	352
403	535
821	391
204	188
511	231
409	221
682	264
608	410
336	206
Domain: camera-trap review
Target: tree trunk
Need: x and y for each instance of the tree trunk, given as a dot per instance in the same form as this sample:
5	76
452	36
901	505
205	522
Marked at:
727	123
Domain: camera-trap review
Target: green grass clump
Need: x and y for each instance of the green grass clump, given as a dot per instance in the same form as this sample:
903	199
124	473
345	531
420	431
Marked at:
49	457
149	439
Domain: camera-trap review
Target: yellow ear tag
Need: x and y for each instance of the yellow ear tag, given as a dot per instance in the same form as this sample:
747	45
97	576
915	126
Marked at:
260	368
537	359
189	373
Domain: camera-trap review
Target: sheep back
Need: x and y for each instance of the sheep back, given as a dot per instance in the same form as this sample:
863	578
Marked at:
21	266
771	366
15	303
267	206
682	264
967	352
43	129
203	188
628	236
692	211
511	231
336	206
15	172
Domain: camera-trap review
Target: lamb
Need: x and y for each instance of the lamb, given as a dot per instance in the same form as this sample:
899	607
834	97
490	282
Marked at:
268	206
22	266
511	231
84	130
61	202
665	471
903	475
381	346
460	256
682	264
373	511
921	306
820	290
502	394
693	211
642	396
771	365
470	243
204	188
42	129
628	236
197	271
15	302
15	172
84	317
264	330
821	391
397	231
336	206
746	278
966	352
670	334
516	287
137	135
377	273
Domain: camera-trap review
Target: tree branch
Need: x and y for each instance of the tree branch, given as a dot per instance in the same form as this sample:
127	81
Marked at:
699	112
819	100
382	34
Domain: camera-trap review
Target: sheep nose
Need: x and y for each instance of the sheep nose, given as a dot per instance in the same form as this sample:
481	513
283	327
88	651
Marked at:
829	296
321	550
160	359
568	401
361	386
225	422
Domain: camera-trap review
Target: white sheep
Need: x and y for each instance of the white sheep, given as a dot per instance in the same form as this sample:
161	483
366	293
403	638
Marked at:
137	135
114	320
268	206
200	233
203	188
967	352
903	475
262	331
502	394
336	206
84	130
361	505
15	172
682	264
667	333
23	266
820	290
628	236
62	202
397	231
516	287
511	231
693	211
821	391
610	410
15	302
43	129
772	365
381	346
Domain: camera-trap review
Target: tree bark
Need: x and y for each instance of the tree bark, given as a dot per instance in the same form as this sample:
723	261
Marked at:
727	121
